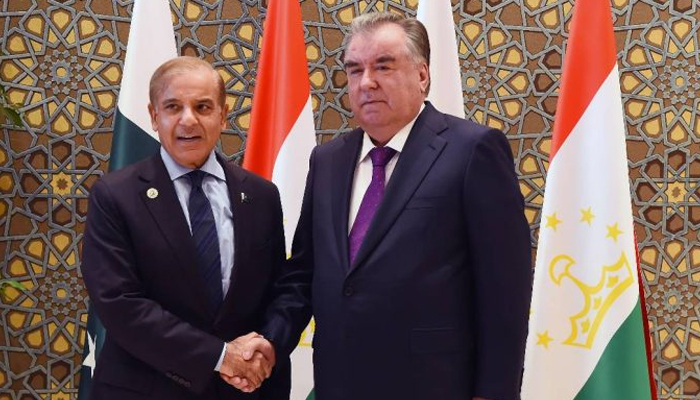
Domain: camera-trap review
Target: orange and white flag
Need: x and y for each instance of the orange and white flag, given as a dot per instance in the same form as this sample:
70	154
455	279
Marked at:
282	135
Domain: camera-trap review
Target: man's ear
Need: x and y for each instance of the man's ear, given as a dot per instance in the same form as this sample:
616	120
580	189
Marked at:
424	73
224	114
154	119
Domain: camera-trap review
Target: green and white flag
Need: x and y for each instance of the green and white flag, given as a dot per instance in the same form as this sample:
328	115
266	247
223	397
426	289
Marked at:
151	43
587	328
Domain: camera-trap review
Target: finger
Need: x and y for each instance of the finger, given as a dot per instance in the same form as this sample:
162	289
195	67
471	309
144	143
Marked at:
264	365
259	344
242	384
229	381
248	389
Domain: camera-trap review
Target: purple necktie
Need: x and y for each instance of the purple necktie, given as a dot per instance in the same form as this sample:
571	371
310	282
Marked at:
370	202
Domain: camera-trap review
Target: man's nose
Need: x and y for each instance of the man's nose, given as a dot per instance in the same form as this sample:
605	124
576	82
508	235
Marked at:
367	81
188	116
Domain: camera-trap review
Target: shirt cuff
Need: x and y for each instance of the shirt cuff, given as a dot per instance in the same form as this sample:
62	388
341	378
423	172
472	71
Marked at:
221	359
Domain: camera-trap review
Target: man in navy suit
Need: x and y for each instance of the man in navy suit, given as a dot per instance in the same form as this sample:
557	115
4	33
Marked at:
179	256
412	250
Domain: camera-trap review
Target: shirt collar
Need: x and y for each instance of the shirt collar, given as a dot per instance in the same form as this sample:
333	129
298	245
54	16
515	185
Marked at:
397	141
175	170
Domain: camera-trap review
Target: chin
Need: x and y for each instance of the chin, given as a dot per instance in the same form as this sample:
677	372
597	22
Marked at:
191	161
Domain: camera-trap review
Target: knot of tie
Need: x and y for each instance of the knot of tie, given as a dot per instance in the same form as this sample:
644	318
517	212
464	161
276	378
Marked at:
381	155
196	177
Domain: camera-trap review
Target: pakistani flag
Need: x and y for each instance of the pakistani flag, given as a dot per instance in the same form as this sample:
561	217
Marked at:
151	43
587	338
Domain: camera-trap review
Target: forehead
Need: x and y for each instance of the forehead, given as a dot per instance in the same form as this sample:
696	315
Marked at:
188	83
387	39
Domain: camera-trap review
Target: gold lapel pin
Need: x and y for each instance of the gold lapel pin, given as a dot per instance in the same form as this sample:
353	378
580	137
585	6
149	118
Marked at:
152	193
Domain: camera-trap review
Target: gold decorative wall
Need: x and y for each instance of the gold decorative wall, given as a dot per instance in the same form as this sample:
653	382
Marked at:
63	60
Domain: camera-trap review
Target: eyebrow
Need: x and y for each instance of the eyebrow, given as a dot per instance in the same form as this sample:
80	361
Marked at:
387	58
177	100
169	100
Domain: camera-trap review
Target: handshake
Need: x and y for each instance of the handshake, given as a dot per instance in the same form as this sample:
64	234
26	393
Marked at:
248	361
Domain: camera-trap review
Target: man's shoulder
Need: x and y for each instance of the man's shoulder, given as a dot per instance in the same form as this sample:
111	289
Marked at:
467	129
468	134
340	141
250	178
125	176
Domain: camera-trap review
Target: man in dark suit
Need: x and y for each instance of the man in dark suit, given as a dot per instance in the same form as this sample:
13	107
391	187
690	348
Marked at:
179	256
412	249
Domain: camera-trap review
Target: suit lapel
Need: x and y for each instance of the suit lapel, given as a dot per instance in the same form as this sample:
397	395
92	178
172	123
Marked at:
344	161
420	152
167	213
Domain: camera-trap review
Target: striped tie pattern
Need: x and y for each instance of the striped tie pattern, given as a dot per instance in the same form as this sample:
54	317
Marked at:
205	238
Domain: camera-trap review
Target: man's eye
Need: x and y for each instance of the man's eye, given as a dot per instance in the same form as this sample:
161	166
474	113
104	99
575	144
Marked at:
204	107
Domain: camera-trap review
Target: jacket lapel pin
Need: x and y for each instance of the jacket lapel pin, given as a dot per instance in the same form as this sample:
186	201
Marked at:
152	193
244	198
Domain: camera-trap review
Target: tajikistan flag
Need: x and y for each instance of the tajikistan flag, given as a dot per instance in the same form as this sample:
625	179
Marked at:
151	43
281	138
445	77
587	338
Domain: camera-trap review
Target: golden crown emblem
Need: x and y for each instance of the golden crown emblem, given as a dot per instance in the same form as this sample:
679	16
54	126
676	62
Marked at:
307	335
614	280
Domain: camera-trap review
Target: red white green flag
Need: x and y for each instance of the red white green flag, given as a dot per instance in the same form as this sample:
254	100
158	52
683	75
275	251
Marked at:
587	337
282	135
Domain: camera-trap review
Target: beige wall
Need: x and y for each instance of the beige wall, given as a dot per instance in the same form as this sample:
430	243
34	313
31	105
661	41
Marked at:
63	62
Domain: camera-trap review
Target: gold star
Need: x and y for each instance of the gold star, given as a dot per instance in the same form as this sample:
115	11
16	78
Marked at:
587	216
552	221
543	339
613	232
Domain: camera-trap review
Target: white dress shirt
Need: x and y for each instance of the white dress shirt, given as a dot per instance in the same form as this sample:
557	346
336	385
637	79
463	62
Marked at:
363	169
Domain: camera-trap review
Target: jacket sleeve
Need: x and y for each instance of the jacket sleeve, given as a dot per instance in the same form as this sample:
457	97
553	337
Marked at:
290	309
499	245
134	321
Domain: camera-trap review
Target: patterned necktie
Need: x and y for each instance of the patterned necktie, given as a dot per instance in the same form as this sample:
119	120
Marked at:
205	238
370	202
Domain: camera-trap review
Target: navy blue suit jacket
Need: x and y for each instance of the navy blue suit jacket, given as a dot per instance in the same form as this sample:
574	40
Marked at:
436	303
139	265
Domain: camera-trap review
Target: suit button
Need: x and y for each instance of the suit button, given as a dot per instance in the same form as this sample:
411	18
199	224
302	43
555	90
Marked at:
187	384
348	291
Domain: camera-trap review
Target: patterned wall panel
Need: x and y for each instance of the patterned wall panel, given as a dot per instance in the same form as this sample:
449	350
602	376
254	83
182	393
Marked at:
62	60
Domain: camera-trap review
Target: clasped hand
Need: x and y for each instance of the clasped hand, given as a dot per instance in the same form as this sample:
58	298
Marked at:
248	361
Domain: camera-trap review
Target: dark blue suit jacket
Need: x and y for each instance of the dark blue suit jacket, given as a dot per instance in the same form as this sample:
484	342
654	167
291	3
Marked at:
163	338
436	304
